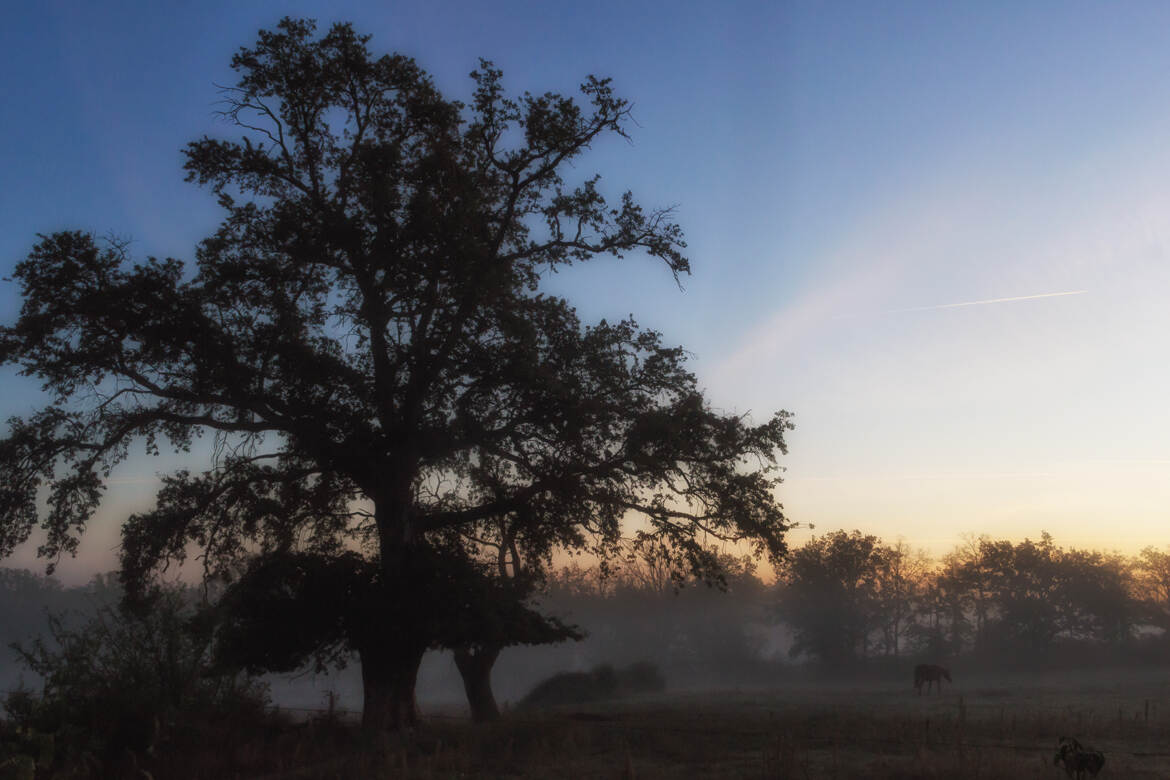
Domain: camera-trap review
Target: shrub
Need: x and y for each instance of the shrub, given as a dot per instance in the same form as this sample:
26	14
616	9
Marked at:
642	677
17	767
114	683
603	682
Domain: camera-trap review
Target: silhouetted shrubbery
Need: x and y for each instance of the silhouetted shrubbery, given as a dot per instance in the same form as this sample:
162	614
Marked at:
603	682
125	681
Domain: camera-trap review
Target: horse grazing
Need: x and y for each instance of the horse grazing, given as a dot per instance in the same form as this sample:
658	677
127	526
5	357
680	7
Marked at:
1078	759
930	675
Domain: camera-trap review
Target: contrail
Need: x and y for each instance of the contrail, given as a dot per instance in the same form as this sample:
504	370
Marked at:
970	303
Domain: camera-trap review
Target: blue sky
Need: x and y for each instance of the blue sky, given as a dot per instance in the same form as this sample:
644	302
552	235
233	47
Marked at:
842	171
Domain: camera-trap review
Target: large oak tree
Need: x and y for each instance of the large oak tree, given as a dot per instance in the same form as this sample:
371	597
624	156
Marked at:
366	338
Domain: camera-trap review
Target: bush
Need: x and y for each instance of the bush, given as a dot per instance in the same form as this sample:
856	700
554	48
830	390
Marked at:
642	677
603	682
17	767
22	750
120	681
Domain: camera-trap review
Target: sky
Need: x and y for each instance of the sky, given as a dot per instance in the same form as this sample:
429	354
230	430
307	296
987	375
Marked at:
935	232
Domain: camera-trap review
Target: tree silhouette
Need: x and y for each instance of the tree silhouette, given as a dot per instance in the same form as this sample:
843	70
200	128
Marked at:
1152	569
829	595
901	578
366	339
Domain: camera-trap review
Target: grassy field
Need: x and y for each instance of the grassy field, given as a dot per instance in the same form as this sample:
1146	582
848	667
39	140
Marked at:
977	728
1002	728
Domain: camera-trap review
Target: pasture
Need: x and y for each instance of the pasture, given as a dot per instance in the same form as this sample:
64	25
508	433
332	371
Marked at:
978	728
1006	727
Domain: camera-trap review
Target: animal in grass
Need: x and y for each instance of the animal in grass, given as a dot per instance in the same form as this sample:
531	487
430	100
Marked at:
928	675
1079	761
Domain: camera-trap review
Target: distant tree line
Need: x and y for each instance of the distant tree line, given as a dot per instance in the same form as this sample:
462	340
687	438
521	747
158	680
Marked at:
696	634
848	598
841	599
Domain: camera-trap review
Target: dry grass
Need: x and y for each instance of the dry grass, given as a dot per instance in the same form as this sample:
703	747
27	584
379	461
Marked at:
976	729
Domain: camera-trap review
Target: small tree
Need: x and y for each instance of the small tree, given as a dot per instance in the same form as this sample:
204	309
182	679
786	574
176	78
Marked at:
1027	588
108	682
942	622
1153	586
475	656
828	594
366	338
970	575
901	580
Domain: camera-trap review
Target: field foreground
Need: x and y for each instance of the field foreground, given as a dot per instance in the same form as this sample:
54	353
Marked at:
997	730
1006	728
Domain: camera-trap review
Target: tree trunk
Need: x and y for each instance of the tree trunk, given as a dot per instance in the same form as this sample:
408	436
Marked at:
388	679
475	666
390	654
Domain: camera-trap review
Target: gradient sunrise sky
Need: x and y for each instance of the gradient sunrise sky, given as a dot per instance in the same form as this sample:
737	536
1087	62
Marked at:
937	232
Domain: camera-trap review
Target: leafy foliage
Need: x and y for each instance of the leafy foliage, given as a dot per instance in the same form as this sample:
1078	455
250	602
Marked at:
112	681
290	609
366	324
831	594
848	595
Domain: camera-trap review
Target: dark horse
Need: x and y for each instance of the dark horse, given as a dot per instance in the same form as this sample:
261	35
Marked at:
930	675
1078	760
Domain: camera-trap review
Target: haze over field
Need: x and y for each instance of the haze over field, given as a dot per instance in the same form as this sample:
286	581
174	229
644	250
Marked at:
937	234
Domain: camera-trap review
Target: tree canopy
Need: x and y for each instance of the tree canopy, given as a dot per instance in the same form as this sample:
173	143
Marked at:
849	596
366	338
